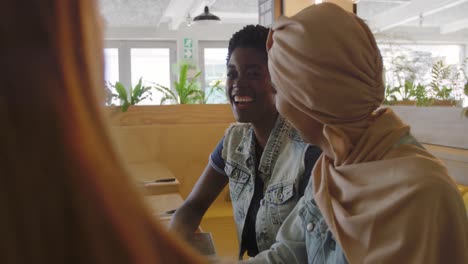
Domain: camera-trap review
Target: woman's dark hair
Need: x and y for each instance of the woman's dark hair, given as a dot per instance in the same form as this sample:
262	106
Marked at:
251	36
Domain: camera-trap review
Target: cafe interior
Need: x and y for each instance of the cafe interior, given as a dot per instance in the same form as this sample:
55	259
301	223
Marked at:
165	141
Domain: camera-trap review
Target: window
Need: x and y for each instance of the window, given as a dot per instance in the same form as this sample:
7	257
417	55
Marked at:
127	61
414	63
153	66
213	56
111	73
111	58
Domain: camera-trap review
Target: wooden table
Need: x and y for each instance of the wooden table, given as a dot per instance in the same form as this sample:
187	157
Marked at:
147	175
160	204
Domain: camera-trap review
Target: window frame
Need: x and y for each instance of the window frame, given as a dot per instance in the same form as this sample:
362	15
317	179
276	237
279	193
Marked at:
463	47
207	44
124	53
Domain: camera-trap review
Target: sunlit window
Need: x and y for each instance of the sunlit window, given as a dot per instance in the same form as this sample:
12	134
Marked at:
111	73
111	58
153	65
215	72
415	64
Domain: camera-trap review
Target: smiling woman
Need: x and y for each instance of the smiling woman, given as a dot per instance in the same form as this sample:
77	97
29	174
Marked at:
248	87
265	162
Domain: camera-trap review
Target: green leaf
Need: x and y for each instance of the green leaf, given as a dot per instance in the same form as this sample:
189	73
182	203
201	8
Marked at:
136	93
125	106
122	92
181	85
168	93
184	88
165	98
465	90
192	82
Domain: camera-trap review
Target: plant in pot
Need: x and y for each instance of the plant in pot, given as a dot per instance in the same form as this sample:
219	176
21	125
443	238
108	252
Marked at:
213	89
187	90
110	96
402	68
420	95
401	73
411	94
390	95
408	94
134	96
405	93
442	83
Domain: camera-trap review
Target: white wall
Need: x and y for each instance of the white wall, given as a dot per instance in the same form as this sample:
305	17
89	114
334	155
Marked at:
214	32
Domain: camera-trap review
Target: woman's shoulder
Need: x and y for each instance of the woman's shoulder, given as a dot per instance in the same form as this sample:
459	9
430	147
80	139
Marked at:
238	128
425	173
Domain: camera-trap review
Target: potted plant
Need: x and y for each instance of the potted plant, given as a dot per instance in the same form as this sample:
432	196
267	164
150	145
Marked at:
133	97
401	95
187	90
403	68
213	88
390	97
441	85
409	93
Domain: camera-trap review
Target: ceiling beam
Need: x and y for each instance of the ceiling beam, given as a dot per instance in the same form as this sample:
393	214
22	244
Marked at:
175	13
454	26
417	35
409	12
237	18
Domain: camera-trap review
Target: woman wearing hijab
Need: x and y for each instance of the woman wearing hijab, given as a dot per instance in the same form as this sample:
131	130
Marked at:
375	195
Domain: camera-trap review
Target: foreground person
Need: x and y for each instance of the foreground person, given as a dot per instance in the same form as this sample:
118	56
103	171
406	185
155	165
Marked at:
64	196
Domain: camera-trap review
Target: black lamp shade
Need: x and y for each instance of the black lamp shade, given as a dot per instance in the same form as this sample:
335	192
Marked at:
206	16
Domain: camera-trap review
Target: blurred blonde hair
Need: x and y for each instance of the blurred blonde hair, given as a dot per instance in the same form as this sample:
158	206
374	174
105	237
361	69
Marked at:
64	197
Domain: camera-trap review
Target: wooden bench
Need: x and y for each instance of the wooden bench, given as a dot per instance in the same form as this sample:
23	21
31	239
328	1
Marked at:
158	142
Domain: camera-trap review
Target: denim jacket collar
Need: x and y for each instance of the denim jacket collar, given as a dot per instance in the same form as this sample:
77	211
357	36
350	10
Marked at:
271	151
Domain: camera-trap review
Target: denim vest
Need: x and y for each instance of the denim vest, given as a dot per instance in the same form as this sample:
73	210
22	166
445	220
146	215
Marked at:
321	245
303	238
281	167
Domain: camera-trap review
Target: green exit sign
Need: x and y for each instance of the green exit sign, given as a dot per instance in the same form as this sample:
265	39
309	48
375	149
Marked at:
187	43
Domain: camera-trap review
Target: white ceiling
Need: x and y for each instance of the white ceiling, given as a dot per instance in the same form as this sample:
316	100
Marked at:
441	19
245	6
133	13
153	13
434	20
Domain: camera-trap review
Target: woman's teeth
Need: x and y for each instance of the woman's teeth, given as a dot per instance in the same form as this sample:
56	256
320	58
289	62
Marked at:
242	99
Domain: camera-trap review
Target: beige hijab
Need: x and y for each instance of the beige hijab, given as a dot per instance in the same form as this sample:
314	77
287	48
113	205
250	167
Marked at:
385	202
